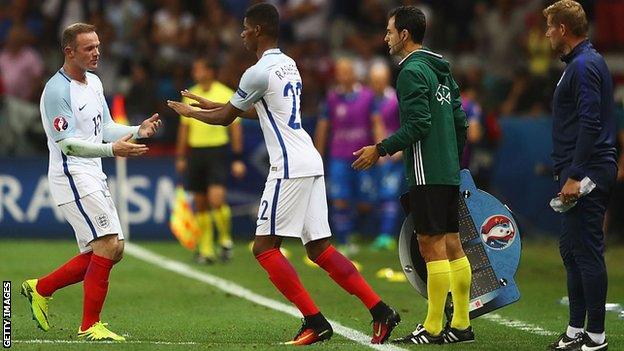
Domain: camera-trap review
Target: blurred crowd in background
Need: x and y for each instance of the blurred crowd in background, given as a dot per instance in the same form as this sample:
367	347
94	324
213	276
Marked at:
499	55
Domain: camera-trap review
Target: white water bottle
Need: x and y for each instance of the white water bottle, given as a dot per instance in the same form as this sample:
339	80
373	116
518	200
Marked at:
587	185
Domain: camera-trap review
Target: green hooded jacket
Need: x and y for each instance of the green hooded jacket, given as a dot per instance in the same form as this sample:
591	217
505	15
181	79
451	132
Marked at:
433	125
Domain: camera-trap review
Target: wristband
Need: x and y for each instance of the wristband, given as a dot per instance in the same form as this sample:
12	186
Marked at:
381	150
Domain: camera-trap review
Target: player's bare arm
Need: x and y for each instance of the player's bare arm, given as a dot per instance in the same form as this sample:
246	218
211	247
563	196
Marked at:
223	116
238	168
206	104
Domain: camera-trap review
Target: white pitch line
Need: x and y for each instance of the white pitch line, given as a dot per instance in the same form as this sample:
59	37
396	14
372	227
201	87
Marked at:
43	341
237	290
516	324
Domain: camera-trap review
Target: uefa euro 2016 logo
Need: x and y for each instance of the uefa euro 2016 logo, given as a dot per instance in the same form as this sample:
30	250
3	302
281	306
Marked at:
443	94
498	232
60	124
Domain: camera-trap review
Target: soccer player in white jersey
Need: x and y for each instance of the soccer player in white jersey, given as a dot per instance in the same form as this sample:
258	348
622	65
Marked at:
294	203
77	120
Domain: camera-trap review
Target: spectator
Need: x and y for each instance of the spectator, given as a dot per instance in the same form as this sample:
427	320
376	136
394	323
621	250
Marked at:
537	47
526	96
474	115
140	96
172	33
498	32
21	66
216	31
346	126
20	12
62	13
129	23
389	170
109	64
308	17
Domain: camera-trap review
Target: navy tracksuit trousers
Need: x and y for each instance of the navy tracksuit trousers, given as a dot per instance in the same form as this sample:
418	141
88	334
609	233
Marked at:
581	245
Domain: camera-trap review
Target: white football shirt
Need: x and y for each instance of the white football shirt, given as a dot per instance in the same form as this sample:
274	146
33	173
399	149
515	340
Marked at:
273	86
71	109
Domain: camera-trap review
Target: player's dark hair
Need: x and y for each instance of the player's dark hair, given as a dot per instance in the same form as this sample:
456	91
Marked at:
266	16
412	19
68	38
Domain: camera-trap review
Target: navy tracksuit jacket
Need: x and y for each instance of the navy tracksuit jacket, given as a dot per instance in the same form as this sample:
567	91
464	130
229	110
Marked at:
584	137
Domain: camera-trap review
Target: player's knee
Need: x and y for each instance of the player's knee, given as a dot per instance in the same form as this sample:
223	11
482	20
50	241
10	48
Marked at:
118	256
315	248
432	248
454	249
115	249
259	248
119	251
425	252
265	243
107	246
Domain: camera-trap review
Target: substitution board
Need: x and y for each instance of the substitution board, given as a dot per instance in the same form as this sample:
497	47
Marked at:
491	240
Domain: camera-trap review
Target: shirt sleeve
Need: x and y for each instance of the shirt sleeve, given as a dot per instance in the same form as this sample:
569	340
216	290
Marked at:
252	87
58	112
586	83
413	91
111	131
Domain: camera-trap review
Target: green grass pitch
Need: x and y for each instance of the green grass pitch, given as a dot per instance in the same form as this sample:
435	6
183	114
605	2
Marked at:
149	304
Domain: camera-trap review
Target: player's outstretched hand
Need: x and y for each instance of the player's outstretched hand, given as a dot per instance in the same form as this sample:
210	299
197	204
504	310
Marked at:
180	107
200	101
150	126
366	158
123	147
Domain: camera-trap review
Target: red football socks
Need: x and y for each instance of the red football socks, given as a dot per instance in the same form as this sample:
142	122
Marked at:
95	289
343	272
73	271
286	280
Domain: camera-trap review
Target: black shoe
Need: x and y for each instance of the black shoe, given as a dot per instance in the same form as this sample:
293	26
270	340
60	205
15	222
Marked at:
314	329
420	336
564	341
383	326
587	344
453	336
226	254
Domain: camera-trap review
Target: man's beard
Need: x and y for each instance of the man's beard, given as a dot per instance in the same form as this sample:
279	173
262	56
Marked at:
396	48
559	47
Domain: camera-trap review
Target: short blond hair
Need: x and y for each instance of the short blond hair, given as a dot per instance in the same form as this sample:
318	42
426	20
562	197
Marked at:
569	13
71	32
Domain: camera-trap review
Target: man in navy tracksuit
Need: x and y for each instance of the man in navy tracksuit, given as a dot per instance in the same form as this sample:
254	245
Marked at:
583	146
